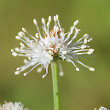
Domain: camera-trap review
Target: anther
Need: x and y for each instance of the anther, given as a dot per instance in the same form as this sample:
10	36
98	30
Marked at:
35	21
85	40
25	74
21	34
54	18
83	46
43	20
14	54
90	39
77	69
17	37
86	35
49	19
21	44
37	36
23	29
25	60
17	49
18	68
57	17
92	69
17	72
90	51
76	22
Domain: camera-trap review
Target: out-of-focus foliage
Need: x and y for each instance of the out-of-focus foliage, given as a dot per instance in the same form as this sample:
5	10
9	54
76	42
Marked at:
82	90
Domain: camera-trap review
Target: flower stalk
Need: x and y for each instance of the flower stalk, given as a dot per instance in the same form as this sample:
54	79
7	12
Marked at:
55	85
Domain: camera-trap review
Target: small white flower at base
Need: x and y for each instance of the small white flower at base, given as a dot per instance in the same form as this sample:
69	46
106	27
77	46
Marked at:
101	108
13	106
53	45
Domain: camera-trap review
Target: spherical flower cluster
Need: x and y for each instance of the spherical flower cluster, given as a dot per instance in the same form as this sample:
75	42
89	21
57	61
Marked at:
12	106
51	45
101	108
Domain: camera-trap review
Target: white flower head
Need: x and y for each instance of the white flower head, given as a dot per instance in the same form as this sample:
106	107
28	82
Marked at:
101	108
52	45
12	106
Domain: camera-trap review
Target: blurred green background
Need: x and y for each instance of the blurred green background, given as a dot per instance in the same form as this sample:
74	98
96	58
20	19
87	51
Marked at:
82	90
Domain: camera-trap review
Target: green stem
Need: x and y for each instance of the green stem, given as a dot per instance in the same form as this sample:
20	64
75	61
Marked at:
55	85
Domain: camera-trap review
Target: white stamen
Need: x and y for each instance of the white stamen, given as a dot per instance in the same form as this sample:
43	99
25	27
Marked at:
43	76
76	33
55	28
56	17
25	60
14	54
92	69
77	69
21	34
83	46
64	52
18	68
43	20
61	70
31	69
35	21
37	36
12	50
17	37
79	50
85	41
25	74
84	36
23	29
22	45
69	33
17	72
90	51
49	19
29	58
81	53
76	22
61	34
90	39
17	49
48	23
69	60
